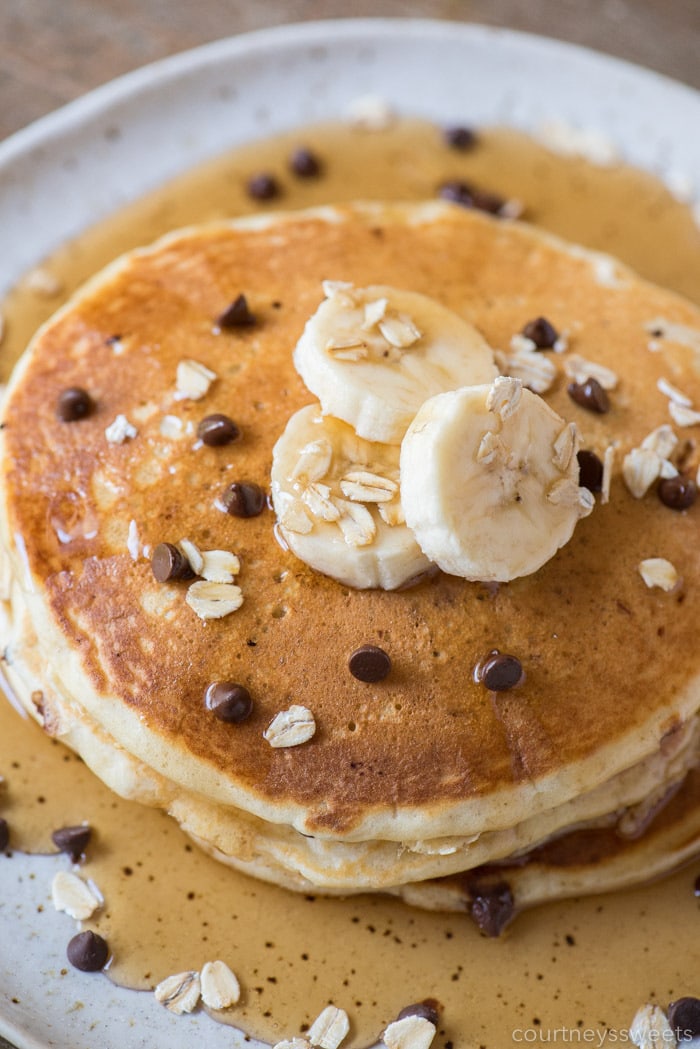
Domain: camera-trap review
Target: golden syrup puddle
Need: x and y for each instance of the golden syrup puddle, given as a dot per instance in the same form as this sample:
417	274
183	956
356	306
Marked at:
573	967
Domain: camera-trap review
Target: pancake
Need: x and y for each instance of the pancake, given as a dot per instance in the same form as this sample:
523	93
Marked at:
426	774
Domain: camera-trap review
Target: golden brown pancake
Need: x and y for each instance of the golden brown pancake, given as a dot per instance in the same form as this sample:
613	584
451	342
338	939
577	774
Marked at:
426	773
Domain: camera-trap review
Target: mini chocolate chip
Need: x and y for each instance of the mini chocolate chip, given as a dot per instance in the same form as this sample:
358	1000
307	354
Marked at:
684	1018
237	315
590	470
73	840
499	672
678	493
4	834
590	395
696	886
460	137
215	430
458	192
484	200
369	663
168	562
244	499
493	908
88	952
304	163
228	701
422	1009
263	186
74	404
542	332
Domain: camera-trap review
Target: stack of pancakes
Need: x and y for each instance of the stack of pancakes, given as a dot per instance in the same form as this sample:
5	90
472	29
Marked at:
424	784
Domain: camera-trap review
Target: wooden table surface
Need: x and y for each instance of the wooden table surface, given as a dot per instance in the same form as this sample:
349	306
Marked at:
51	51
54	50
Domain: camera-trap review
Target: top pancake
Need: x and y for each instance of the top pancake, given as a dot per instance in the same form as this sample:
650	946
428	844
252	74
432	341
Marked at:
611	666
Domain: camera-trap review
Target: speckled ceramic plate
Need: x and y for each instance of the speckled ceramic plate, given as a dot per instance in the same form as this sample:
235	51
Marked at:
126	138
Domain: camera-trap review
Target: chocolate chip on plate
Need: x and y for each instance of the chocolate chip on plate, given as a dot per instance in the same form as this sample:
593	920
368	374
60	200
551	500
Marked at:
305	163
460	137
168	562
237	315
263	186
4	834
244	499
73	840
492	908
369	663
589	395
500	672
74	404
215	430
542	332
590	470
684	1018
88	952
228	701
678	493
426	1010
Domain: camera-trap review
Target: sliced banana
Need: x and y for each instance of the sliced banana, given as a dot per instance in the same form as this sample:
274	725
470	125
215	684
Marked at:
373	355
338	503
489	481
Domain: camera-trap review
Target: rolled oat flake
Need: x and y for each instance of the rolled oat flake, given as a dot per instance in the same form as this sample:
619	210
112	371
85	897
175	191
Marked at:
244	499
228	701
170	563
88	952
73	840
74	404
369	663
217	429
501	672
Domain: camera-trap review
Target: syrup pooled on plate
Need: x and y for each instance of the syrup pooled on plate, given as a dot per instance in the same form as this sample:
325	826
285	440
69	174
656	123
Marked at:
582	967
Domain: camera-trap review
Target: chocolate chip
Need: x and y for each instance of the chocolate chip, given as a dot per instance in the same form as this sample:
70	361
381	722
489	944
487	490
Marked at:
244	499
483	200
215	430
369	663
237	315
684	1018
493	908
88	952
4	834
168	562
678	493
590	395
696	886
73	840
263	186
500	672
228	701
542	333
590	470
422	1009
304	163
458	192
74	404
460	137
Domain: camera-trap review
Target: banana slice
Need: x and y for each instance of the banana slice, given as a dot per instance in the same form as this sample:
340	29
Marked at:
338	503
489	481
373	355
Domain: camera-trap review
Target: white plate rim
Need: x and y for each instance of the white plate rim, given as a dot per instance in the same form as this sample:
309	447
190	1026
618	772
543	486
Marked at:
39	163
